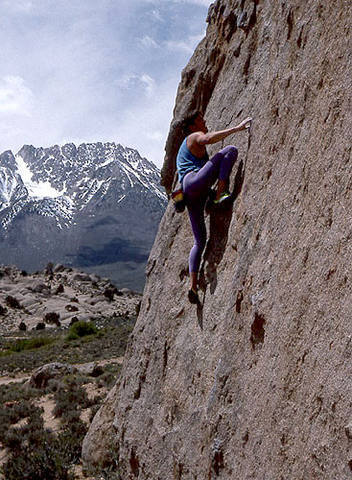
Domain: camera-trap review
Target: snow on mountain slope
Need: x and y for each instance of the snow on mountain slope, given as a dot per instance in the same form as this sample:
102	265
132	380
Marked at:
35	189
61	181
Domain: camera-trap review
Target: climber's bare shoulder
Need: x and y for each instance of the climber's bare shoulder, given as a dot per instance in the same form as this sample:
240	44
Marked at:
196	143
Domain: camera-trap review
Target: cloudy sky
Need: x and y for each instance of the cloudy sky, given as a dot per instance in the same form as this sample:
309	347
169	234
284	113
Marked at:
94	70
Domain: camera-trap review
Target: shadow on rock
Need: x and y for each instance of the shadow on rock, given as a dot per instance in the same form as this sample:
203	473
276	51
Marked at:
220	219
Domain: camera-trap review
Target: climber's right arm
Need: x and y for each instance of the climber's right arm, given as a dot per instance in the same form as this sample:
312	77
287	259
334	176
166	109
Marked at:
214	137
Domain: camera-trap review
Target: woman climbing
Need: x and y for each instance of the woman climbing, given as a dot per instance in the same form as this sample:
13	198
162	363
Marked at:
197	173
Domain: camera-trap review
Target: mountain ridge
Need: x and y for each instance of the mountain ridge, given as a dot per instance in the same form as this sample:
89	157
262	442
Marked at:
65	190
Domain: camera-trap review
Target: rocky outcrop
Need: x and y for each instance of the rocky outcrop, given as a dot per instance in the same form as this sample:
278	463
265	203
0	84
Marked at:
59	296
255	382
41	376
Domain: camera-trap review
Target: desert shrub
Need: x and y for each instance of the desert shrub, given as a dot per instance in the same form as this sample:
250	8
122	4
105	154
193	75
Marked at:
30	343
69	417
22	326
107	380
41	463
53	385
70	397
12	302
52	317
13	439
11	413
14	392
109	470
73	320
81	329
93	411
70	441
33	431
36	453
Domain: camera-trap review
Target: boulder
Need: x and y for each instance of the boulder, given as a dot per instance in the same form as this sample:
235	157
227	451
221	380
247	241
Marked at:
73	320
91	369
82	277
41	376
109	293
40	287
49	269
59	268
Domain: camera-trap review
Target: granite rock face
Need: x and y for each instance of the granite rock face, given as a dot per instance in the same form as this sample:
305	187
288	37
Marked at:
255	383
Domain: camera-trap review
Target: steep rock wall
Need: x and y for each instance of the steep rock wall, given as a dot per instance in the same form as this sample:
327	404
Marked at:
255	384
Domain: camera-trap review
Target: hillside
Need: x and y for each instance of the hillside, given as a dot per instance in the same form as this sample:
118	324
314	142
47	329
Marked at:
255	384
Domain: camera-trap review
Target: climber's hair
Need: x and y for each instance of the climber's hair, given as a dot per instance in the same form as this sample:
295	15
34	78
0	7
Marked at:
189	120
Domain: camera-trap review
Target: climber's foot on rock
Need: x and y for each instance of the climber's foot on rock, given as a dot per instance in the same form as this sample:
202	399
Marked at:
193	296
225	198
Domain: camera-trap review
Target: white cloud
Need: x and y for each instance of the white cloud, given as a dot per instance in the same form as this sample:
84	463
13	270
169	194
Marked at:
143	81
146	124
94	71
20	6
156	15
204	3
149	84
156	136
15	97
148	42
187	46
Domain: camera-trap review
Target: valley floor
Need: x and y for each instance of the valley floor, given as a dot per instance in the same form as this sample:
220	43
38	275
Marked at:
43	422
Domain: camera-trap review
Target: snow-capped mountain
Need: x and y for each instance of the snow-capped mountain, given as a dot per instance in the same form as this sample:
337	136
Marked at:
96	206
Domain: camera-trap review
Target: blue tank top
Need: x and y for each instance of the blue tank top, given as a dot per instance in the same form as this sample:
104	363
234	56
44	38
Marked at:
186	162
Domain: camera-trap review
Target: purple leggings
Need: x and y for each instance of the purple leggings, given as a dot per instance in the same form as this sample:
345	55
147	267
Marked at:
196	187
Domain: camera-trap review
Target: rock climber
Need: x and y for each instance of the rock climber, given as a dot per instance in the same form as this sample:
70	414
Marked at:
197	173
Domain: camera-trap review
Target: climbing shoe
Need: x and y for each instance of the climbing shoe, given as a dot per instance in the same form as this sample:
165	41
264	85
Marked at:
225	197
193	296
209	204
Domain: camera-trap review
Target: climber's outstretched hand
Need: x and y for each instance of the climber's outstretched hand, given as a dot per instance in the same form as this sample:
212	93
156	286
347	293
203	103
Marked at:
206	138
245	124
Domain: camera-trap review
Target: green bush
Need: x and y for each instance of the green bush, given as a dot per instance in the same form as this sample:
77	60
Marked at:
10	415
14	392
41	463
70	441
30	343
69	398
81	329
